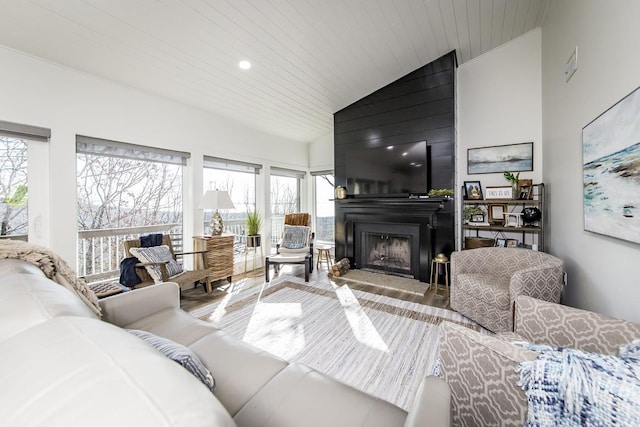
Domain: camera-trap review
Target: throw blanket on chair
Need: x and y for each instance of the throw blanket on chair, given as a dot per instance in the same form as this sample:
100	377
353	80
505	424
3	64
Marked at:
54	267
571	387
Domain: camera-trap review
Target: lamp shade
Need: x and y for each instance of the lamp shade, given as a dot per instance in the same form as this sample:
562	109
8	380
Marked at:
216	200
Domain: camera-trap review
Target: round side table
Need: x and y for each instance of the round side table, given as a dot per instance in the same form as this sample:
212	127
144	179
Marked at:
436	262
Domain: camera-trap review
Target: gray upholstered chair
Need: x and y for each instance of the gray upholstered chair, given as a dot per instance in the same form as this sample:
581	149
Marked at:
481	369
485	283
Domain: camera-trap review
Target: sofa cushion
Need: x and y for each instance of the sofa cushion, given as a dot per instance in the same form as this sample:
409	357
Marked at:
81	371
179	354
160	253
29	299
315	400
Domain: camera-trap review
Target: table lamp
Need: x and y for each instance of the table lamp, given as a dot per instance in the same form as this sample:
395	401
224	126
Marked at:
216	200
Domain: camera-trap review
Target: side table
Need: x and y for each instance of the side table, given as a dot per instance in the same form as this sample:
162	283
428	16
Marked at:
436	262
219	259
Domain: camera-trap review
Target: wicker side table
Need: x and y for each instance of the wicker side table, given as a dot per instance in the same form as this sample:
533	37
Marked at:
219	259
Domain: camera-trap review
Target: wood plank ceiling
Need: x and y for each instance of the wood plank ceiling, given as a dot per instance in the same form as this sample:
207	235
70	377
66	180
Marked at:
310	58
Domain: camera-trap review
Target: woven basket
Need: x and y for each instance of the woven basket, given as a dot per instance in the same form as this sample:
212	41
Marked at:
477	242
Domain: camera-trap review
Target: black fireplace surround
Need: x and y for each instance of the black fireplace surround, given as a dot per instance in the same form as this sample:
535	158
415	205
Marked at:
390	214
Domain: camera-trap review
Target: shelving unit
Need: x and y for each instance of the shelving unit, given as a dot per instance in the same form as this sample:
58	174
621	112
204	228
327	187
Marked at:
527	235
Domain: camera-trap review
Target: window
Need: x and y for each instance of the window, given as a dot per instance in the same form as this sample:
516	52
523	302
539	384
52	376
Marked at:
324	210
239	180
13	187
285	198
15	139
124	191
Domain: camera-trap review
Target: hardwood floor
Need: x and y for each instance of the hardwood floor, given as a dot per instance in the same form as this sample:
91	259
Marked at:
191	299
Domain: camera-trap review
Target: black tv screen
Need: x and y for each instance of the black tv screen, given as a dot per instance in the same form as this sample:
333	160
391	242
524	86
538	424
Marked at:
398	169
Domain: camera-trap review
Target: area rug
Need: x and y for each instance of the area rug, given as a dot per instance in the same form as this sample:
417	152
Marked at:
386	281
380	345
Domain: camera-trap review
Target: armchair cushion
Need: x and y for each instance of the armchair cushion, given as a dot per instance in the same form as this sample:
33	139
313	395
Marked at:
478	284
295	237
157	254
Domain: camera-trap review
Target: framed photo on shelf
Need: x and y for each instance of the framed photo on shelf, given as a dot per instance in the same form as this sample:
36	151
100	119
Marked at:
496	212
512	243
477	218
525	189
501	243
472	190
502	192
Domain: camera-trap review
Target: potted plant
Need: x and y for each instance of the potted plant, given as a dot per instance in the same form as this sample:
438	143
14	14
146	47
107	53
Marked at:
513	179
253	223
443	192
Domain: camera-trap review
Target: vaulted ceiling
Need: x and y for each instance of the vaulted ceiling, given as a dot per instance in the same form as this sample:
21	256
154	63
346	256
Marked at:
310	58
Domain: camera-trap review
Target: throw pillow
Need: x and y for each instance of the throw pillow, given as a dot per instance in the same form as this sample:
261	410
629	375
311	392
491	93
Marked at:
295	236
180	354
157	254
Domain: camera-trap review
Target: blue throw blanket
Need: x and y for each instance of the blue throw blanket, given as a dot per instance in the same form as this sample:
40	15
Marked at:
567	387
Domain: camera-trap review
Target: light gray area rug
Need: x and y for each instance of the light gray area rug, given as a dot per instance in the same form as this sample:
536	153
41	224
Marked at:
377	344
386	281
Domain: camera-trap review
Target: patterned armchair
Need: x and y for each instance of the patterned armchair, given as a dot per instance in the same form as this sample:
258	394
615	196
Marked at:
481	369
485	283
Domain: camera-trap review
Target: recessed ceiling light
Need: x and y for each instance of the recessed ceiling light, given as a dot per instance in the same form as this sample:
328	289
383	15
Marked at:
245	65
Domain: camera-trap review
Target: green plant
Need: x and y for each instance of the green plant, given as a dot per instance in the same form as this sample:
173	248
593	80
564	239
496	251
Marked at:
513	179
440	192
254	222
472	210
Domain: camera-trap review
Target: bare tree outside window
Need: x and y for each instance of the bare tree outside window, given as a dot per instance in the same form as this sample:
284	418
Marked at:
13	187
118	193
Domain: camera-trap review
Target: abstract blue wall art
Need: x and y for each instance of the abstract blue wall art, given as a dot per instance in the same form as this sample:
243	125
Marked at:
611	168
500	158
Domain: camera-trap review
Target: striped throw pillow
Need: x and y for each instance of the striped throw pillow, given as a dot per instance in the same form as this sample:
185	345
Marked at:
178	353
157	254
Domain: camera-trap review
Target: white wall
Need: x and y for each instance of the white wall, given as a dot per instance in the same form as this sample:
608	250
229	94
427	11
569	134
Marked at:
321	153
40	93
499	103
603	272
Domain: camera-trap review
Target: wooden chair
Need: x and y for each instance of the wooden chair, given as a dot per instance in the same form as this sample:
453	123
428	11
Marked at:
298	219
185	278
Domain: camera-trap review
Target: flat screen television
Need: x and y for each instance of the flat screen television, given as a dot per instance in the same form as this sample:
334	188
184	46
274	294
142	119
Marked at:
390	170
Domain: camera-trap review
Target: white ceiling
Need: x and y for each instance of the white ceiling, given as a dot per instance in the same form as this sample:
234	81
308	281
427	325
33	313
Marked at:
310	58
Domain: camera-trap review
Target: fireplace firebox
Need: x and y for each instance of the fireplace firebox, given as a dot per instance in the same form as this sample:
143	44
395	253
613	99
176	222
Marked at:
388	248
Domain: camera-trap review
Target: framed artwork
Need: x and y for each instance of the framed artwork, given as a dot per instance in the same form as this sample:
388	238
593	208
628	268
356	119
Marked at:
477	218
472	190
500	158
611	163
496	212
525	189
512	243
503	192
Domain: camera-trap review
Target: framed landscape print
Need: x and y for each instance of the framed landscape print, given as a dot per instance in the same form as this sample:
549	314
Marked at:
611	171
500	158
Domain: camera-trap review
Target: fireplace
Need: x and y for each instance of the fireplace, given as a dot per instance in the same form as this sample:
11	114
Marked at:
393	235
388	248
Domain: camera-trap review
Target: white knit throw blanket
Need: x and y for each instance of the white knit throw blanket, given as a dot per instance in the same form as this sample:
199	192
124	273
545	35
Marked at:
54	267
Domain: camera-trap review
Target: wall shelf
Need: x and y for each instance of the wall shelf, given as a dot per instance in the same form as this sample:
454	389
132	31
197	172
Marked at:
527	235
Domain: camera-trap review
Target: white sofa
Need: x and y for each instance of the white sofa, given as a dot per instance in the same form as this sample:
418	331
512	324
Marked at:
62	366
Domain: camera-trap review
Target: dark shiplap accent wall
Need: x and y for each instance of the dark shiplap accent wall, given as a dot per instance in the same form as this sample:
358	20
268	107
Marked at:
419	106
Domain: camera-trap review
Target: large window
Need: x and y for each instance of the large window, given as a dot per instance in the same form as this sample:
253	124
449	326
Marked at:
285	198
15	139
324	210
124	191
239	180
13	187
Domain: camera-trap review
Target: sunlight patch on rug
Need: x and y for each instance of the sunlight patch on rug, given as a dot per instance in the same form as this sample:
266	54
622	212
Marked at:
380	345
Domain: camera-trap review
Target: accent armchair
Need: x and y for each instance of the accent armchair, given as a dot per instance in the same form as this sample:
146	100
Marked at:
297	237
485	283
481	369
